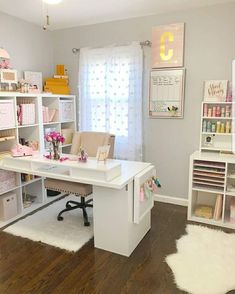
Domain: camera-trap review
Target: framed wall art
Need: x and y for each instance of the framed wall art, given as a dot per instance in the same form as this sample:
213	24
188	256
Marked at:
215	90
35	79
168	46
166	96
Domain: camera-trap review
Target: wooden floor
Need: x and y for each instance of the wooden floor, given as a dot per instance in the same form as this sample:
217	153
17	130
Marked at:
30	267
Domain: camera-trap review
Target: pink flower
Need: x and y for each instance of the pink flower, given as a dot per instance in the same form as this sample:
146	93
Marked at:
54	137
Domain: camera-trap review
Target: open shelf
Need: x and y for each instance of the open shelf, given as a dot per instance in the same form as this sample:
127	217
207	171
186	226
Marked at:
51	123
216	126
218	172
217	102
30	182
217	117
216	149
217	134
206	221
32	194
27	126
204	204
11	134
206	190
66	145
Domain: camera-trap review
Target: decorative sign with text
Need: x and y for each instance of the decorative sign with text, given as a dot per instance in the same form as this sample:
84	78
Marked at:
168	46
215	91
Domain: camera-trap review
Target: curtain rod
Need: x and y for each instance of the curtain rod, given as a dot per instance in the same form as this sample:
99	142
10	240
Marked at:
146	43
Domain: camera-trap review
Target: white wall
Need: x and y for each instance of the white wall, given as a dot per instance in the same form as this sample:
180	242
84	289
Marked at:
209	50
29	46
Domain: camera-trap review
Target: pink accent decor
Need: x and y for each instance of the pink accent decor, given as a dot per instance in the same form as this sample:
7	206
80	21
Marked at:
21	150
141	194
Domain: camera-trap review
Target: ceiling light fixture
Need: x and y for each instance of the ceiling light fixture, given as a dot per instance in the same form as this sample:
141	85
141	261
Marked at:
52	1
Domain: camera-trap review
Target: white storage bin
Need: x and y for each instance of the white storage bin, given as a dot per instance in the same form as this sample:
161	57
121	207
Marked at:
66	110
8	206
7	180
7	115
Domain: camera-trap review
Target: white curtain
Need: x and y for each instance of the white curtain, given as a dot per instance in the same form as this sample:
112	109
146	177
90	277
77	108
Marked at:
110	91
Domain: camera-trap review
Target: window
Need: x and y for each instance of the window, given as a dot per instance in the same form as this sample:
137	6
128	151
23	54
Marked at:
111	96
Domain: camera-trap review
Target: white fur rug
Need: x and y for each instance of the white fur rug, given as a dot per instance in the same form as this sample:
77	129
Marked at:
69	234
205	261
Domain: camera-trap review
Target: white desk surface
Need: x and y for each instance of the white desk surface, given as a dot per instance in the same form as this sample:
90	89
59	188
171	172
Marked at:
91	164
129	169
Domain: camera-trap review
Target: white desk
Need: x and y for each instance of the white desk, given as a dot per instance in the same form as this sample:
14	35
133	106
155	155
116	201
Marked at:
120	219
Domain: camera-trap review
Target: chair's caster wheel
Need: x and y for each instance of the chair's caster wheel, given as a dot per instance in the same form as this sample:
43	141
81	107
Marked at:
87	224
60	218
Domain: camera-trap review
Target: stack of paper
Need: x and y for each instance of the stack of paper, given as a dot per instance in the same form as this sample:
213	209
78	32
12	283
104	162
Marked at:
204	211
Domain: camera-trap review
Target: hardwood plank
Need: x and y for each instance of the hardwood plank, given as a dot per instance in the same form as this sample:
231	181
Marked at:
33	267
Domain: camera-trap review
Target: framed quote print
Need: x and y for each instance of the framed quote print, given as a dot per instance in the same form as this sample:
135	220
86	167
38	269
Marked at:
215	90
166	95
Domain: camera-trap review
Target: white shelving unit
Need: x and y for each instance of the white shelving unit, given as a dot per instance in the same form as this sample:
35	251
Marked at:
34	132
211	175
212	137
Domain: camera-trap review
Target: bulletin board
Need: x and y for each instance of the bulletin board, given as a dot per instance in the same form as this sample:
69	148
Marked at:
166	99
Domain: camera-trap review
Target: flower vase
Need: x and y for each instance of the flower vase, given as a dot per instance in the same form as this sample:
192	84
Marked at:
56	154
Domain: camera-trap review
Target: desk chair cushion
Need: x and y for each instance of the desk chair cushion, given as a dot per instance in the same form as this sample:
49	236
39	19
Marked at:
78	189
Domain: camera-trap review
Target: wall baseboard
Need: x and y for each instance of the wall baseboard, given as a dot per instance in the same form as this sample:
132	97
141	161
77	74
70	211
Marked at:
171	200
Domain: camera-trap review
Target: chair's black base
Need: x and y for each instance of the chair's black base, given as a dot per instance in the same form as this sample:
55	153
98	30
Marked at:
71	205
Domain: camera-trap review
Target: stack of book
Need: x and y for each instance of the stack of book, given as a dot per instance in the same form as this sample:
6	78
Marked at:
26	114
48	114
218	207
59	84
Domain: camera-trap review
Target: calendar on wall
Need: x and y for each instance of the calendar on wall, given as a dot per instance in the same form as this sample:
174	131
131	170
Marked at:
166	99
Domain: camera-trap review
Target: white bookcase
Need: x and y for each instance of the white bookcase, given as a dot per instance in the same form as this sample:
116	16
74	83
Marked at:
34	132
216	127
211	175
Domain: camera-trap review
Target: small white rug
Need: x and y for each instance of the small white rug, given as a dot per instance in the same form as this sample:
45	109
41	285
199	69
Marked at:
205	261
69	234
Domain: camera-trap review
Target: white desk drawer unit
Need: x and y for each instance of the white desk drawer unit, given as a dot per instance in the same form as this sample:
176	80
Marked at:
70	170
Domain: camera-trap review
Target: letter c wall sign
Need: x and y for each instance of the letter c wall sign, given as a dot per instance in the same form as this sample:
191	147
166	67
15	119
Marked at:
168	46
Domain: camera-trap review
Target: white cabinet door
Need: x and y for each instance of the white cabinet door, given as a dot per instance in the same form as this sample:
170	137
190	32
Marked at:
141	208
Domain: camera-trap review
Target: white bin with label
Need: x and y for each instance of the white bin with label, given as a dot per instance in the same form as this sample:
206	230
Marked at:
8	206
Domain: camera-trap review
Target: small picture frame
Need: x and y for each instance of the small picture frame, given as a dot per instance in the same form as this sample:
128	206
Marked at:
35	80
215	90
209	141
8	76
102	153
